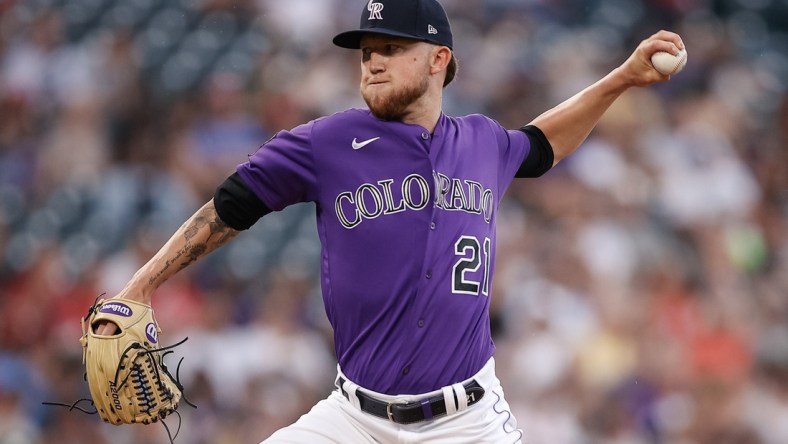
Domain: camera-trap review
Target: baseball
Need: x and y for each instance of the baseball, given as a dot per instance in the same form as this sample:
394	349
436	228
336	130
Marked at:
667	63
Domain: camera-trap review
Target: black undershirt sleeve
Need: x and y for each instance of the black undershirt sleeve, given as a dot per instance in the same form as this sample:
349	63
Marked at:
237	205
540	158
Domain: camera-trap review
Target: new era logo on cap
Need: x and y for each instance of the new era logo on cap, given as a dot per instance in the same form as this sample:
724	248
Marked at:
416	19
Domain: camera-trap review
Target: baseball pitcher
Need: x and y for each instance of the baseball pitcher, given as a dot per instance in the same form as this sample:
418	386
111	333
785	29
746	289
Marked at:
406	205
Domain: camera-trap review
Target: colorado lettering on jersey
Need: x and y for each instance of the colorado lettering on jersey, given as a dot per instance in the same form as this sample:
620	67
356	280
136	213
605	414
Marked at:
463	195
370	201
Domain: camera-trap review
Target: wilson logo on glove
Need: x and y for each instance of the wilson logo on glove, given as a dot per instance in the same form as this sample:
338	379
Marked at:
152	333
117	308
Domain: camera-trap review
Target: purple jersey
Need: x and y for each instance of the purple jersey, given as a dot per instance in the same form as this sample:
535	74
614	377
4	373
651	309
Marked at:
406	220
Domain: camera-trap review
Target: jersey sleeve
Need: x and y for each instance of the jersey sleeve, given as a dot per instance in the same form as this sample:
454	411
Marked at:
282	172
514	147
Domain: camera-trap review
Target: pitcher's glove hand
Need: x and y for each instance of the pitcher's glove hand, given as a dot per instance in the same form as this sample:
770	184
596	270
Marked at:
128	380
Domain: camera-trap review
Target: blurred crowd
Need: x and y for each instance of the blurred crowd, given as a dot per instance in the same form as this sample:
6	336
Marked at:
641	293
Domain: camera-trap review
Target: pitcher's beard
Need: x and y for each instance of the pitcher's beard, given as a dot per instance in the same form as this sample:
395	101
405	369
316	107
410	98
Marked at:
394	106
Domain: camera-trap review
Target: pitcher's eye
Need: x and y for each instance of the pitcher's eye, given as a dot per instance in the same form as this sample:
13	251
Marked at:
390	48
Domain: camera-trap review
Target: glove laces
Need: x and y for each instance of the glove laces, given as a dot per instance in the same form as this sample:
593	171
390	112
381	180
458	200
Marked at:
143	387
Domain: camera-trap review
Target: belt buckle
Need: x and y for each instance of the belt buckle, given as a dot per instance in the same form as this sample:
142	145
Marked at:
389	412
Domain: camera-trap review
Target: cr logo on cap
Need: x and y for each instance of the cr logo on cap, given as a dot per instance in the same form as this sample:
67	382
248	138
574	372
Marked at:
374	10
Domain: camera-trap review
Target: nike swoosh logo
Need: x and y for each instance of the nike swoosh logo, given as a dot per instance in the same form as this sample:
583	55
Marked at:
358	145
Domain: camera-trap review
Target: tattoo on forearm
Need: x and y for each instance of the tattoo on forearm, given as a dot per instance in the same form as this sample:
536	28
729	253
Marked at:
219	234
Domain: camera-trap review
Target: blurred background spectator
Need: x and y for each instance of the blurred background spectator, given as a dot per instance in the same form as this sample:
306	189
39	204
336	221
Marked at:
642	285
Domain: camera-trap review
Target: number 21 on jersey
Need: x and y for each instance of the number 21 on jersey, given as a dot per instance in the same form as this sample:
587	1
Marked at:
471	254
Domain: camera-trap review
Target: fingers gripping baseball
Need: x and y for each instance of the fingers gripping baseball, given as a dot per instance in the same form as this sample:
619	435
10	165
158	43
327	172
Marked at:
639	69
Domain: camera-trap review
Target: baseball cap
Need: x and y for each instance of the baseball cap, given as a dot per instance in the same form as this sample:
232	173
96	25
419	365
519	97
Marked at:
416	19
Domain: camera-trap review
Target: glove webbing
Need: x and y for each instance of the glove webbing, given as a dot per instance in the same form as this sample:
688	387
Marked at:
141	383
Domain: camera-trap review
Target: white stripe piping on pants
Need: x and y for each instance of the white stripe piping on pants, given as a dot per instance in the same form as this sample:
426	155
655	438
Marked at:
509	417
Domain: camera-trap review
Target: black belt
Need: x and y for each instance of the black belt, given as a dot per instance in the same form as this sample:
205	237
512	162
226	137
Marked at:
415	411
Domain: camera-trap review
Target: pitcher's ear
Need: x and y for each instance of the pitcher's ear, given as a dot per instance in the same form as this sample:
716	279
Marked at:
451	70
441	58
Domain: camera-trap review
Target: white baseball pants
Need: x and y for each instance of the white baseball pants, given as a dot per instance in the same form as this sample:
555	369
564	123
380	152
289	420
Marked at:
336	420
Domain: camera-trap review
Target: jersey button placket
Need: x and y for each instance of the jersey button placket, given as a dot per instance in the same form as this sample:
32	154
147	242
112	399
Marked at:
425	135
